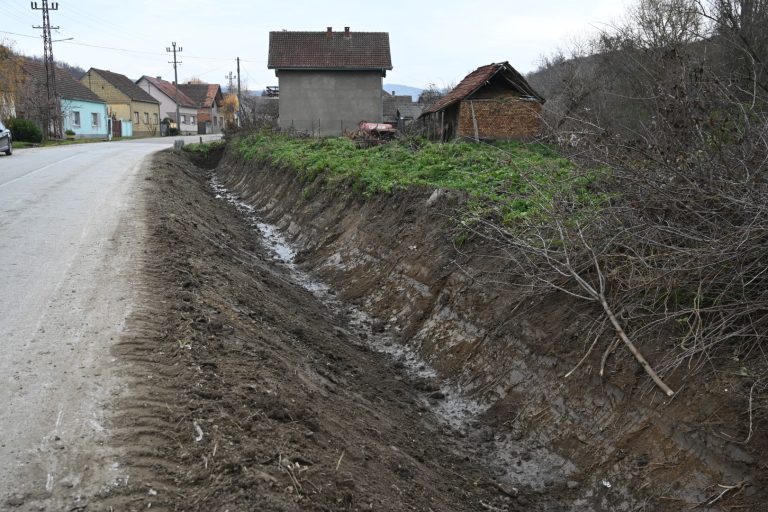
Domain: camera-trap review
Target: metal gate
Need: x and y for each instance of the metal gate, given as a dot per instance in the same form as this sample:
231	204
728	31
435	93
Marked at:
117	128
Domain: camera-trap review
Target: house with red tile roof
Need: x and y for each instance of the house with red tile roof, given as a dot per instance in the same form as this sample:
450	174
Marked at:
329	81
494	102
208	99
166	93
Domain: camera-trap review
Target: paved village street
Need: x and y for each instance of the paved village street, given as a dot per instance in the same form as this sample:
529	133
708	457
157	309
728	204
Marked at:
68	243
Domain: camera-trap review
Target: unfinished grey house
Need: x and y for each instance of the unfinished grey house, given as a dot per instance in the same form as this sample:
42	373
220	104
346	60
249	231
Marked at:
329	81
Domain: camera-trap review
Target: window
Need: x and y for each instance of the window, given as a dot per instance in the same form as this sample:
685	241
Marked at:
95	119
183	119
192	119
214	120
155	118
146	117
76	119
136	117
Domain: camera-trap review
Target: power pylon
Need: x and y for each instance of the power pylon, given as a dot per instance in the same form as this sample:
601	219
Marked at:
53	109
231	80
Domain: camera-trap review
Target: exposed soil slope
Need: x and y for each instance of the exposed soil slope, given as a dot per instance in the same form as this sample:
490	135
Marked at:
251	394
602	444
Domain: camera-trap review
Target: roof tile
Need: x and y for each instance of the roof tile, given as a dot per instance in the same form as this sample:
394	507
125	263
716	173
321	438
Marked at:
329	50
66	86
170	90
125	85
479	77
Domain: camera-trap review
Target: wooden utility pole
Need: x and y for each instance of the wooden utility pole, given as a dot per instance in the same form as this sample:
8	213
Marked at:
239	99
53	108
175	79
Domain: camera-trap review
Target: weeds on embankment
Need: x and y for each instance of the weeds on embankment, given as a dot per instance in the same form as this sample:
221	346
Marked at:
511	181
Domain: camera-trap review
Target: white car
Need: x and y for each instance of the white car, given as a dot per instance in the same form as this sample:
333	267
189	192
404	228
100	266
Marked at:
5	140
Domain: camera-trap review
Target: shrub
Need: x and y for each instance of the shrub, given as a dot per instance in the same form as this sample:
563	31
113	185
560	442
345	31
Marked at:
24	130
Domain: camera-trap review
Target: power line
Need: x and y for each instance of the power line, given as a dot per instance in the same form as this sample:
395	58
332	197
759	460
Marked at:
112	48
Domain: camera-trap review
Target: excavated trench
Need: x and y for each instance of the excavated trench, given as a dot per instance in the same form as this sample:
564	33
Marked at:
499	357
304	348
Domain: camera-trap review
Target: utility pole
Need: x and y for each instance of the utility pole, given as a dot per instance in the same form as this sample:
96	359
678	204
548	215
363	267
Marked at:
231	81
239	100
175	79
52	110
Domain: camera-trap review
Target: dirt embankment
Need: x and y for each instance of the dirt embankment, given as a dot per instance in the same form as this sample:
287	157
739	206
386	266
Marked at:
612	443
249	393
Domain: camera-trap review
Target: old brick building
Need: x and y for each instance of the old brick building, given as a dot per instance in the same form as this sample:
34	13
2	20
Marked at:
493	102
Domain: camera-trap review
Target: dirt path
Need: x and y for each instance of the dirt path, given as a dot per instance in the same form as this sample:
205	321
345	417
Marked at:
250	394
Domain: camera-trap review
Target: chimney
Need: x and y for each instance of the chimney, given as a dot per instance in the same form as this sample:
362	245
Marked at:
329	32
159	77
346	32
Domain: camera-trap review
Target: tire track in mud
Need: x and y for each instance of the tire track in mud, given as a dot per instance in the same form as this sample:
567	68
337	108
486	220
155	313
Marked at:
248	393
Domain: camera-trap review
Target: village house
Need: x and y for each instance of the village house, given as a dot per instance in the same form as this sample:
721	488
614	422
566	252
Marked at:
80	110
207	98
400	109
129	105
493	102
165	92
329	81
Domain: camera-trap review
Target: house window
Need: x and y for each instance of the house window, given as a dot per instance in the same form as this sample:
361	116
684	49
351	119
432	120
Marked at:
183	119
146	117
136	117
95	119
214	120
154	116
192	119
76	119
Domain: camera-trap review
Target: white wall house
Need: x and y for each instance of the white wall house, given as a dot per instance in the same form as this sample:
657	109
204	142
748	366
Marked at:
165	92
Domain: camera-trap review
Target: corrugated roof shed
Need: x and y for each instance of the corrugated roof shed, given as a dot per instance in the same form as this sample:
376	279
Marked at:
477	79
125	85
329	50
66	86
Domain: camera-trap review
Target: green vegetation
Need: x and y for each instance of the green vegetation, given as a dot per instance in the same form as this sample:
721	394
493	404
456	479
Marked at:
23	130
203	149
516	179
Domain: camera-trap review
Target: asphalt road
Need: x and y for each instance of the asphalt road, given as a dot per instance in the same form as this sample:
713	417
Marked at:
70	244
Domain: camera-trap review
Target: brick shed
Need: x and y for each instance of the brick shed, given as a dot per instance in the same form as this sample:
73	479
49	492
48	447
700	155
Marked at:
493	102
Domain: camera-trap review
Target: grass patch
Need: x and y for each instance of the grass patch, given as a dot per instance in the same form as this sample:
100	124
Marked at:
517	180
204	148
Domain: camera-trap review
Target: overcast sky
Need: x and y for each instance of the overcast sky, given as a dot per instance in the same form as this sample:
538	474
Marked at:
432	42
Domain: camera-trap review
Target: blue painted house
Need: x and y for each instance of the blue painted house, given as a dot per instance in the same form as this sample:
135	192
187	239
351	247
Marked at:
82	111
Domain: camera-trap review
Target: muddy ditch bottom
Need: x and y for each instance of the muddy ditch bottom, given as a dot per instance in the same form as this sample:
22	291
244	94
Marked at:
254	388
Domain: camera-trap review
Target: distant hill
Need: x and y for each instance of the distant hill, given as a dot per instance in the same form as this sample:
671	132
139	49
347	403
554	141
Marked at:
403	90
